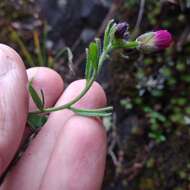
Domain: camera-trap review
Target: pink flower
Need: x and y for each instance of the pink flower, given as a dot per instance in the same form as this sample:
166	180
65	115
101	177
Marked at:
163	39
154	41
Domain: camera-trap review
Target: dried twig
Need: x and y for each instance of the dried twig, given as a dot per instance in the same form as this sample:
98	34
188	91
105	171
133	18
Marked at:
183	38
139	18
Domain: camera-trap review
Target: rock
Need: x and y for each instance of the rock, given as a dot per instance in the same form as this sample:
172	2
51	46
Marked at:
68	18
87	35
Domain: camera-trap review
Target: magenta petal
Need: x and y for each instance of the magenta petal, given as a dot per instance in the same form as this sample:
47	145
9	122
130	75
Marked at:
163	39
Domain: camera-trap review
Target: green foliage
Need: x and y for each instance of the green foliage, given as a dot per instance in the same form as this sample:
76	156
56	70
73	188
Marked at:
39	101
27	55
95	57
126	103
155	120
102	112
36	121
107	37
93	54
40	55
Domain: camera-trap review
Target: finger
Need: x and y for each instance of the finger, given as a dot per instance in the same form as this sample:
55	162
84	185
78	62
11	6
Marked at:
78	161
36	158
13	103
47	80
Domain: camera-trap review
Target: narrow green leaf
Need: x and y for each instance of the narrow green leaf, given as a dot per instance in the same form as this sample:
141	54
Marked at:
112	33
35	97
109	108
88	69
36	121
107	34
93	114
102	112
98	45
93	55
92	58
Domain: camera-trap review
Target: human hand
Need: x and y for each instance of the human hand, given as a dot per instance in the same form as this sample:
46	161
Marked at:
69	152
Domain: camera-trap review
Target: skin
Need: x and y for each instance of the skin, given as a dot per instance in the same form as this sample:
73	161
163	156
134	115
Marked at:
69	152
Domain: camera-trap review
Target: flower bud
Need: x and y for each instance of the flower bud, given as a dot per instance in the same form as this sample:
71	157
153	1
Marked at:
154	41
121	30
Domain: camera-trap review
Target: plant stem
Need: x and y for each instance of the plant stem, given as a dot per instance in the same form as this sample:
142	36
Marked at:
127	45
67	105
103	57
88	83
131	45
84	91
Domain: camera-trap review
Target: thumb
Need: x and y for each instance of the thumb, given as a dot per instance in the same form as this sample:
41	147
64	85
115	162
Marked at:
13	103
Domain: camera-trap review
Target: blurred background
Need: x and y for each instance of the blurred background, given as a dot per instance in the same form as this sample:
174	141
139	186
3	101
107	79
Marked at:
149	132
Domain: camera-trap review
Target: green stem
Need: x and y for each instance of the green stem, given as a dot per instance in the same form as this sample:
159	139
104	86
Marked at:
68	105
103	57
126	45
84	91
131	45
88	83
